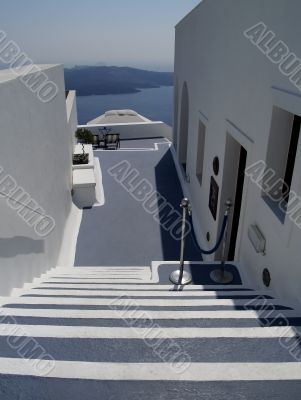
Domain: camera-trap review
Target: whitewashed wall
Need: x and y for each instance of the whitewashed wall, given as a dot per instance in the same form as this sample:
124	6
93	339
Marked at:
72	113
36	148
232	88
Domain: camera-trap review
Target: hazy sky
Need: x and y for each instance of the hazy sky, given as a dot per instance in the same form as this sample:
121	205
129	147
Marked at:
114	32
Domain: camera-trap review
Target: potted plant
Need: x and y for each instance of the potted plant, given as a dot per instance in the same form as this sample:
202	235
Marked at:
84	136
82	158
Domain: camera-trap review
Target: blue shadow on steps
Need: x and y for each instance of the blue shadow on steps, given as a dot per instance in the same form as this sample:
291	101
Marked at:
200	273
54	388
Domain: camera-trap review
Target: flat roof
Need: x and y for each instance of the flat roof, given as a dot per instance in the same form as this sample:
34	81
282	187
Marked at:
118	116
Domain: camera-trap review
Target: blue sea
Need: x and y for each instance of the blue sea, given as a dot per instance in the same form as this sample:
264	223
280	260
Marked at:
155	104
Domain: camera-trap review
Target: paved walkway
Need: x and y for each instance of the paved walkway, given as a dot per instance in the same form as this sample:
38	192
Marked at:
121	232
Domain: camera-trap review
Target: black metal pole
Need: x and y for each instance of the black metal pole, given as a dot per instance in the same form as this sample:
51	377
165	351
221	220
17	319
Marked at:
181	277
182	245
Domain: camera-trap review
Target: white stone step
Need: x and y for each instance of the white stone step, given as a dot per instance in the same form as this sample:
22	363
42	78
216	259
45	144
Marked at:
97	284
102	272
62	290
96	267
103	280
96	277
151	314
197	372
154	287
88	332
124	301
93	279
97	270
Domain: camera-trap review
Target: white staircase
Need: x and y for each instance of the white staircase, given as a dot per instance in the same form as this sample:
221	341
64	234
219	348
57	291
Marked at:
110	333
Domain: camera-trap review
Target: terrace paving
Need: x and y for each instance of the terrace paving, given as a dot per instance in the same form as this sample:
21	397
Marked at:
121	232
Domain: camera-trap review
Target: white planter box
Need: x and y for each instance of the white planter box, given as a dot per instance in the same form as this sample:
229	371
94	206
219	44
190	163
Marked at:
84	187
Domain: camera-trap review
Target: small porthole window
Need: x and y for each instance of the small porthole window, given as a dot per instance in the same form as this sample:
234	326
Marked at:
266	277
215	165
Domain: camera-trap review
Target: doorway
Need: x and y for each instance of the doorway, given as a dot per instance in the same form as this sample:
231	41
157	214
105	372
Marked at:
233	188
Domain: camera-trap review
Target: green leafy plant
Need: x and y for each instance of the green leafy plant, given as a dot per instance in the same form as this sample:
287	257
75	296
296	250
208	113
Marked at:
84	135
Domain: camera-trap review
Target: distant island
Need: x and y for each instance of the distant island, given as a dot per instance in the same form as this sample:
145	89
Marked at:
101	80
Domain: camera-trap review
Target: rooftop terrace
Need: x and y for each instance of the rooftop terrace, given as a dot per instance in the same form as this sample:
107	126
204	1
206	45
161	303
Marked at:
122	231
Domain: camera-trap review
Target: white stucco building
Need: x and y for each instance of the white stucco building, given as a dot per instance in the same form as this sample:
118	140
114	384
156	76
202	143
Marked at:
238	98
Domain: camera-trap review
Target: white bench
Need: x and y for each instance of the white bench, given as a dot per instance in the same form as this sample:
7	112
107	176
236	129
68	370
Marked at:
84	184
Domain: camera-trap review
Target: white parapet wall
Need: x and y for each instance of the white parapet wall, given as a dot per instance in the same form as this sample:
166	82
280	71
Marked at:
71	112
36	169
135	130
84	182
84	185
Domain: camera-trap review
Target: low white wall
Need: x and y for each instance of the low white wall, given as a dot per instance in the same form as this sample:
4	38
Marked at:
36	149
135	130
